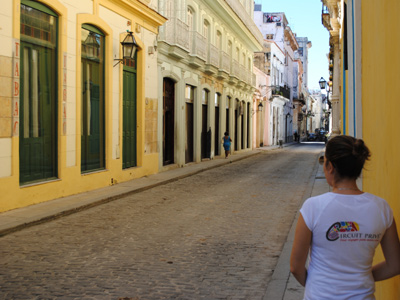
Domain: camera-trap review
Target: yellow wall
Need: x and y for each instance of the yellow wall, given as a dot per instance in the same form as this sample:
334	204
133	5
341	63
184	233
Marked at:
380	92
70	180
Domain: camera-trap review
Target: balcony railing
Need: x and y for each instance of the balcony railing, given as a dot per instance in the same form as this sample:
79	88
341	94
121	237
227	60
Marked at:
225	61
199	45
280	90
243	73
175	32
235	68
213	57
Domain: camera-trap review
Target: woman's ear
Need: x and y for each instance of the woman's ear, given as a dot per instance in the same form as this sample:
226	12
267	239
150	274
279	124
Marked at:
329	167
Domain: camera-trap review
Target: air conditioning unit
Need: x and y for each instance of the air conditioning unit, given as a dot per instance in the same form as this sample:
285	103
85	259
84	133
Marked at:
278	24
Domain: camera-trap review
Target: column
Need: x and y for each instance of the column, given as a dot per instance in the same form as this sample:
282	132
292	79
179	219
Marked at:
335	100
180	120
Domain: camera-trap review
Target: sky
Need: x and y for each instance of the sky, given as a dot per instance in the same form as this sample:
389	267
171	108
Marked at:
304	17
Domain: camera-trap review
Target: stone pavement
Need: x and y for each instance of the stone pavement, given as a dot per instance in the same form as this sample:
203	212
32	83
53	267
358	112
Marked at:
282	285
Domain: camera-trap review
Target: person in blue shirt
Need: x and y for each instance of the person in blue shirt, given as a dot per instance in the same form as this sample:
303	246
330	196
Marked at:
226	141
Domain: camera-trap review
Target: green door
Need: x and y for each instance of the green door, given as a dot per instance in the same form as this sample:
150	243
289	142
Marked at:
129	118
38	97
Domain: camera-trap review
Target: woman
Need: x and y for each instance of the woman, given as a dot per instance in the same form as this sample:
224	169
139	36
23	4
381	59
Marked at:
341	229
226	141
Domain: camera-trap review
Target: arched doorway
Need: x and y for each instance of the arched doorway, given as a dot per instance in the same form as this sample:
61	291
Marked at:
228	103
242	125
205	134
168	121
189	145
237	114
216	130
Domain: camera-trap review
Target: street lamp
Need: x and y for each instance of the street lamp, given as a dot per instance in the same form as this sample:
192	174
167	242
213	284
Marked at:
129	47
322	83
260	107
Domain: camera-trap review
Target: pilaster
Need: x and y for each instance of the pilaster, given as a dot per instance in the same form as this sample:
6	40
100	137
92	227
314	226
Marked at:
336	117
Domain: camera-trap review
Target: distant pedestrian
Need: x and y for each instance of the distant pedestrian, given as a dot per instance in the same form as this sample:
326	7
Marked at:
341	230
296	136
226	141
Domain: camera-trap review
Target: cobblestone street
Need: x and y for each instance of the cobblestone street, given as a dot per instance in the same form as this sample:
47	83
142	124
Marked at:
214	235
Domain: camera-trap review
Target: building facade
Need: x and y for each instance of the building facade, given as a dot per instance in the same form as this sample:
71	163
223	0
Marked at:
305	115
364	71
75	117
302	54
261	105
276	30
205	69
299	96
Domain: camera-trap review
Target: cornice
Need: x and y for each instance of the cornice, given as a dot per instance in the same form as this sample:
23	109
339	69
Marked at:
150	18
292	39
334	9
251	37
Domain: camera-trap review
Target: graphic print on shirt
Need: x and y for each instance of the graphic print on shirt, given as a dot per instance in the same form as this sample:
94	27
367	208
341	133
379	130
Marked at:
349	231
333	232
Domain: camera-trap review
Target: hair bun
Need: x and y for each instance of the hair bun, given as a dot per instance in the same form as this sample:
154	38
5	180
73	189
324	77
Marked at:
360	150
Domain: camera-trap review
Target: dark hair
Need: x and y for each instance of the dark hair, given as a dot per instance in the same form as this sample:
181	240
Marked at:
347	155
226	133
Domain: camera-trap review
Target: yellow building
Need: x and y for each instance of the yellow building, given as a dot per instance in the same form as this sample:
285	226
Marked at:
365	65
72	116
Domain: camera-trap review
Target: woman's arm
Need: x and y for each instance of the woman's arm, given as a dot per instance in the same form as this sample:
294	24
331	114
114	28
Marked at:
300	249
391	250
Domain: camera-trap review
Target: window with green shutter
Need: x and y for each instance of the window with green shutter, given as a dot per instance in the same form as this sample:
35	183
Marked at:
38	93
92	108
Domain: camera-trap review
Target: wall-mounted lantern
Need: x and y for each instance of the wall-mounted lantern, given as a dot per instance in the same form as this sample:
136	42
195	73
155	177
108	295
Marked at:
260	108
129	47
322	83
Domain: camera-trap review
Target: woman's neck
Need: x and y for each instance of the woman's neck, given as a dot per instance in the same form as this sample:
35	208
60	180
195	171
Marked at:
347	187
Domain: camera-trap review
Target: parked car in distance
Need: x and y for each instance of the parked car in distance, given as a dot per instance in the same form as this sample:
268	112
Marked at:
311	136
322	135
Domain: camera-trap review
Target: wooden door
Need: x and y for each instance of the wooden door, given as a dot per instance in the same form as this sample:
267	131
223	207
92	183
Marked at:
168	121
236	124
203	131
189	147
217	141
129	108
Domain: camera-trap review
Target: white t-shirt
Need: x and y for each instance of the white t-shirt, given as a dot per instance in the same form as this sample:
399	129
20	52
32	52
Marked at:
346	229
